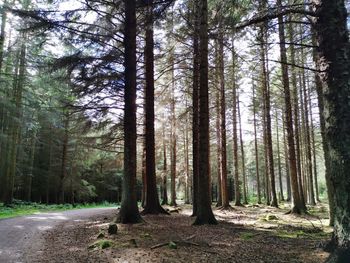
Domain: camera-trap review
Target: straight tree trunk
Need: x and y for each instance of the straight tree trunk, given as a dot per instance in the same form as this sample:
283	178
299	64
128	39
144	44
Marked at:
244	175
204	212
173	149
286	158
195	109
165	172
298	206
235	137
320	100
334	61
256	149
308	141
31	167
63	172
224	188
267	110
152	200
129	212
279	159
187	161
312	132
296	113
218	125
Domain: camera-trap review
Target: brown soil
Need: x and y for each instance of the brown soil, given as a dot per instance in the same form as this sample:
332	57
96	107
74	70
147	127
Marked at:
246	234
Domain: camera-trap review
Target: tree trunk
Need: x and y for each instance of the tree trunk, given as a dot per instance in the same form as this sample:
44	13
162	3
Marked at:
235	138
129	212
286	158
267	118
298	206
63	172
165	172
244	175
195	110
152	201
334	61
31	167
320	100
256	149
279	159
224	189
218	124
308	140
296	113
204	212
312	132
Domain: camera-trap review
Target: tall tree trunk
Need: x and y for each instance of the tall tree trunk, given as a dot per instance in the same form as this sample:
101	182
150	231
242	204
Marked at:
313	142
152	201
296	116
195	109
235	137
279	159
286	158
31	167
173	152
267	110
308	139
187	161
63	172
334	61
224	188
49	165
204	212
326	154
298	206
129	212
165	172
256	149
218	124
244	175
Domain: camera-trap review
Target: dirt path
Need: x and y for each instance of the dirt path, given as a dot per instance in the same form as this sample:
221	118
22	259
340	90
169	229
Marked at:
21	238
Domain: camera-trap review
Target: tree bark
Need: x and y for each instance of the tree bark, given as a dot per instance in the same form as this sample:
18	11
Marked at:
298	206
129	212
235	138
195	109
204	212
244	175
279	159
152	201
334	63
256	149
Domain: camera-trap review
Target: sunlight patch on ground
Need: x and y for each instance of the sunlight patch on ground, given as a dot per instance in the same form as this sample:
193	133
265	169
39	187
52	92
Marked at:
44	228
51	217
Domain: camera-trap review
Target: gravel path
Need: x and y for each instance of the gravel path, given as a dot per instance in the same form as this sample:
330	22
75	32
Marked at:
21	235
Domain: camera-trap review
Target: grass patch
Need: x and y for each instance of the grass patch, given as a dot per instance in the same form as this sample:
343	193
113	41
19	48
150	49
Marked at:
20	208
102	244
247	236
301	234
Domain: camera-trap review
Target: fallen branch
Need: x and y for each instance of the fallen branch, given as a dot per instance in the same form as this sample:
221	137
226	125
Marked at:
177	242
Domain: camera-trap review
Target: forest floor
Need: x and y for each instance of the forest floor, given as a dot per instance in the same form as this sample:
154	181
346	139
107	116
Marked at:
244	234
